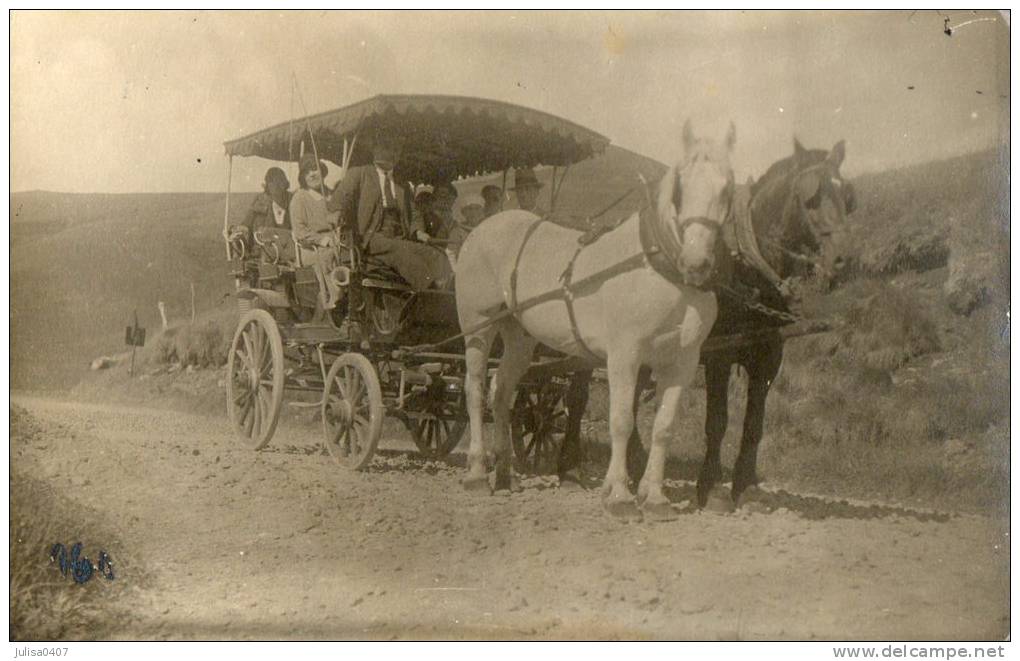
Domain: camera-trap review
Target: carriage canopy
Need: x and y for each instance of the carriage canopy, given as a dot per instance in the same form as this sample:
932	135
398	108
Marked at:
443	137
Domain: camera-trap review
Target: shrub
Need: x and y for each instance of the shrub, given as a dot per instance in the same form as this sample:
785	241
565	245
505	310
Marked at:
201	345
978	266
882	329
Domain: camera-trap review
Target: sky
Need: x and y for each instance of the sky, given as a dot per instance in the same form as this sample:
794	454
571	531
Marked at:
143	101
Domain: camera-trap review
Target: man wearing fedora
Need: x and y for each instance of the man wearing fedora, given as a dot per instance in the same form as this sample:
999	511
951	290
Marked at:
527	188
377	208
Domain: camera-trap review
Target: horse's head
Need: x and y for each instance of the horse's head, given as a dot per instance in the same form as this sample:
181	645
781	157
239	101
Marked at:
694	200
823	200
806	201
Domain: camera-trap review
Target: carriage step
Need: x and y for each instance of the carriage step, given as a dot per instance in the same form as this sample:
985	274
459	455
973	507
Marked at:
312	333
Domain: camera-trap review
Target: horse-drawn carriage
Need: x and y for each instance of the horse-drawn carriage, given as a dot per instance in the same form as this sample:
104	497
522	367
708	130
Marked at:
386	350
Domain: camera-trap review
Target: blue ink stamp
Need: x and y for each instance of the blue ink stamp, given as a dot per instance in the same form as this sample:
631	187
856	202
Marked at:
79	566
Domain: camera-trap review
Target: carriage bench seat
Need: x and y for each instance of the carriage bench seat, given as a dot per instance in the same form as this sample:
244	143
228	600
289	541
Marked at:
377	283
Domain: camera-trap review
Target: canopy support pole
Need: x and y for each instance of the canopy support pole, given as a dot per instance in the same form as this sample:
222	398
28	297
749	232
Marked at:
226	210
557	187
348	154
311	135
552	191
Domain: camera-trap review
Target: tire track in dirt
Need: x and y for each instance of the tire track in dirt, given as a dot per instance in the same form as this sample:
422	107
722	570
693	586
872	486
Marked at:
284	544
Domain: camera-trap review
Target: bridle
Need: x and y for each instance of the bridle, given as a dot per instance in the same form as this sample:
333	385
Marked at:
794	201
671	246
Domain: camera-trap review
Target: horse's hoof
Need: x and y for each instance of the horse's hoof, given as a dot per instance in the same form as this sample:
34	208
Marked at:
753	500
506	482
659	511
477	485
572	481
623	510
719	501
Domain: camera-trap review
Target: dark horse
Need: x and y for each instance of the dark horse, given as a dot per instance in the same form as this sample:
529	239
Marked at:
798	209
797	212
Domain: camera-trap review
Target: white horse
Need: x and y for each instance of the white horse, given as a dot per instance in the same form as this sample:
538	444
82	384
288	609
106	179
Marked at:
631	298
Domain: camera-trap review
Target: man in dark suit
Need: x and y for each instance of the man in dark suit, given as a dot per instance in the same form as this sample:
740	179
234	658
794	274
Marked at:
377	209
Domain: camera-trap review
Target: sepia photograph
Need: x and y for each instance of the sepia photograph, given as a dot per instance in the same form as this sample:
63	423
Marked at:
477	325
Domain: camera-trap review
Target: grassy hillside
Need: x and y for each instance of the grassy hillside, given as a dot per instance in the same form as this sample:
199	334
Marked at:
82	264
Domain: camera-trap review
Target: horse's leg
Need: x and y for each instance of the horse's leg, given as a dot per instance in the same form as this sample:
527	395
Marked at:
717	383
670	384
518	348
477	361
762	369
576	401
622	371
637	458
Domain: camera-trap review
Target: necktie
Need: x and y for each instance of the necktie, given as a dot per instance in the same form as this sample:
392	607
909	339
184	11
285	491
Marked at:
390	202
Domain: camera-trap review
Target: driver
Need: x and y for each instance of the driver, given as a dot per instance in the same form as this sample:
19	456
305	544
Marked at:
527	187
376	208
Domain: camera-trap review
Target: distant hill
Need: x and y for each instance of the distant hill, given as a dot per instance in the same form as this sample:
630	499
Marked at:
81	264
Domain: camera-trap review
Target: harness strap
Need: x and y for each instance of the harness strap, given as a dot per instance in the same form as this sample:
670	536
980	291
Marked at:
568	299
517	262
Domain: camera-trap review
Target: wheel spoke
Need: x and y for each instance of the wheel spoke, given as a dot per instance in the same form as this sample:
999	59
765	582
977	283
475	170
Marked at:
248	348
245	406
256	430
357	389
263	348
248	418
245	362
529	446
267	400
350	384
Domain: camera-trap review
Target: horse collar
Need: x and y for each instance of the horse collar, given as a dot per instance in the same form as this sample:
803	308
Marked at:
656	247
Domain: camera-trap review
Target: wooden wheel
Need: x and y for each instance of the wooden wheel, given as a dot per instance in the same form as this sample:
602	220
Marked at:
538	424
255	378
435	427
352	411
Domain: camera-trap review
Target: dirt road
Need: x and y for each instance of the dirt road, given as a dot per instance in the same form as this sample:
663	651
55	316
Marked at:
283	544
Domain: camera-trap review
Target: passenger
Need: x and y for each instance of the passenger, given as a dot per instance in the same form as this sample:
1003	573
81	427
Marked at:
313	228
472	212
271	207
377	210
493	196
527	187
424	216
442	216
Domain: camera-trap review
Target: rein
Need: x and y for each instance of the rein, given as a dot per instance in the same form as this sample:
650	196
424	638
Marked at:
794	198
